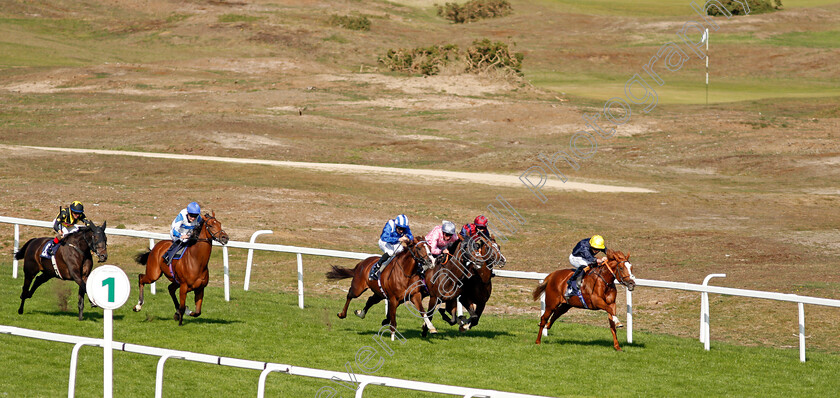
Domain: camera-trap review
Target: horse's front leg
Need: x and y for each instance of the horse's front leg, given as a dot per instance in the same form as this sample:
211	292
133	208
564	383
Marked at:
392	315
182	307
417	300
172	288
82	291
199	298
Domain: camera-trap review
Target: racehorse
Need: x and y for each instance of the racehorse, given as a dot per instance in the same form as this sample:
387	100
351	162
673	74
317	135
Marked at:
189	274
400	282
482	254
72	260
597	288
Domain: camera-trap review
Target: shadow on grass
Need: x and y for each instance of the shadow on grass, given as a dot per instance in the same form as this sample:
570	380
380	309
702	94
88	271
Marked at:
442	334
87	314
588	343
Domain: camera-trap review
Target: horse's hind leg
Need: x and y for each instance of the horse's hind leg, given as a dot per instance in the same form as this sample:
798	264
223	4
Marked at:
543	321
371	301
199	298
357	287
24	294
557	313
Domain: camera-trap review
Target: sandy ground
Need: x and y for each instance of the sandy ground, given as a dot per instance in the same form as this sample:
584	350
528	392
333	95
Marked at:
438	175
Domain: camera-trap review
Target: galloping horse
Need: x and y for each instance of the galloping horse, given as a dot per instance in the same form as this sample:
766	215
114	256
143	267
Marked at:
190	273
597	288
473	289
399	280
72	260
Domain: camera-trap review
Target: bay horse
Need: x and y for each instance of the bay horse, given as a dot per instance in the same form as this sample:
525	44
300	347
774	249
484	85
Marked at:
597	288
73	260
400	281
190	271
474	290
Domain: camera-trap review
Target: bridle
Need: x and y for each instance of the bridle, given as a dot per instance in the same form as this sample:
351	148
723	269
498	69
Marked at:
621	281
212	235
418	261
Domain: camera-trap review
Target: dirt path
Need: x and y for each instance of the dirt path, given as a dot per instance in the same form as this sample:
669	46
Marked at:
478	178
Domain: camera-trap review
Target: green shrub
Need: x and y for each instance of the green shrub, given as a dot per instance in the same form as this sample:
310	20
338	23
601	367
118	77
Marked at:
359	22
425	60
474	10
485	55
756	7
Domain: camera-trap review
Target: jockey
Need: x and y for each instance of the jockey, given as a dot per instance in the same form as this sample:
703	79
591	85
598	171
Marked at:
394	233
583	257
479	226
66	222
182	228
442	238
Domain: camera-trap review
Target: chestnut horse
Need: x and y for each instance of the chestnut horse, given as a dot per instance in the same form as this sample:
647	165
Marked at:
474	288
72	259
400	281
597	287
190	272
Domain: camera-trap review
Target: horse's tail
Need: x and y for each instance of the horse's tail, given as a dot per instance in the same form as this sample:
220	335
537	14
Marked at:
22	251
340	272
142	258
539	290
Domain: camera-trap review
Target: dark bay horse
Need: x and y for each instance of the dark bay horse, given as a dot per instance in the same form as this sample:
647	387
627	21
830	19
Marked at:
476	259
72	260
400	281
597	287
190	271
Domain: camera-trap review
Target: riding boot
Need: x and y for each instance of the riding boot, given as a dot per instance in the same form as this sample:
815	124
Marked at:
374	271
573	283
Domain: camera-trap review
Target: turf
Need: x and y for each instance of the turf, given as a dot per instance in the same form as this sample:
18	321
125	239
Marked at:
499	354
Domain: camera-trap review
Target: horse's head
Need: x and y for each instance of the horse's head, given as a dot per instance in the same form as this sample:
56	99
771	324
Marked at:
419	250
213	228
96	240
618	263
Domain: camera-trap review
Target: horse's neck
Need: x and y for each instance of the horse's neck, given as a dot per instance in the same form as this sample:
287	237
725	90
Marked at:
606	274
78	240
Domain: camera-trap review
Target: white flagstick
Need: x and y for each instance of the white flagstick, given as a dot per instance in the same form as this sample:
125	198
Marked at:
706	38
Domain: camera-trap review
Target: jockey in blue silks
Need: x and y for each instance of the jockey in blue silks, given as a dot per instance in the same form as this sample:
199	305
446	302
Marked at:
182	228
394	233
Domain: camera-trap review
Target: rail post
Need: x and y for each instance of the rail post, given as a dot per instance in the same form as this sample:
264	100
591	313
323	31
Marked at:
300	279
704	311
251	256
152	246
159	375
801	332
268	369
629	316
227	273
74	359
17	247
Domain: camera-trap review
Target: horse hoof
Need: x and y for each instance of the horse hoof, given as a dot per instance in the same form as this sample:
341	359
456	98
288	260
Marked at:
433	331
177	316
341	316
619	326
424	331
384	321
360	313
20	311
194	314
137	308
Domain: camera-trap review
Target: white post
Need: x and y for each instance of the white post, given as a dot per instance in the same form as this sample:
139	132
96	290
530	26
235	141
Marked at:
704	310
74	359
269	368
629	316
251	256
300	280
159	376
109	353
227	273
152	246
801	332
17	246
542	310
707	66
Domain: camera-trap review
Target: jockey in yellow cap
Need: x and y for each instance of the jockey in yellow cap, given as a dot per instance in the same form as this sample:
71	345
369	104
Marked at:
582	258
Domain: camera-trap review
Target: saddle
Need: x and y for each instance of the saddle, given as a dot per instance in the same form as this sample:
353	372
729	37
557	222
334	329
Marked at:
50	249
374	270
